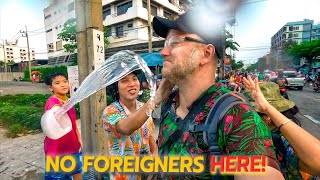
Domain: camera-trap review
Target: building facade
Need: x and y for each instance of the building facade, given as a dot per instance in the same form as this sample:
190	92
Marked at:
12	53
315	34
299	31
127	22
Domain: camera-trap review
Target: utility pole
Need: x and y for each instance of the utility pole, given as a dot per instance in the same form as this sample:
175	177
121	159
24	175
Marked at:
29	60
94	138
221	69
149	26
5	62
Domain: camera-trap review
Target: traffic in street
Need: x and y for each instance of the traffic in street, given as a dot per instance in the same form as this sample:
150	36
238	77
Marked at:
308	101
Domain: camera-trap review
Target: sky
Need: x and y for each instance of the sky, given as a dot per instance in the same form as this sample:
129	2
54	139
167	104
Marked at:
257	22
15	15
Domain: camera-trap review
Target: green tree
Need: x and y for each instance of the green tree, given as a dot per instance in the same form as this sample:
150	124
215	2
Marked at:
236	65
307	50
68	34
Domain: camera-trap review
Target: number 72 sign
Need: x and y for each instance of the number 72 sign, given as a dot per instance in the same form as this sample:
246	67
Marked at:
98	48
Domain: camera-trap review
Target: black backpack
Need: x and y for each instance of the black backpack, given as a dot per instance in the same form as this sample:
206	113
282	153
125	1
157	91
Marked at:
210	127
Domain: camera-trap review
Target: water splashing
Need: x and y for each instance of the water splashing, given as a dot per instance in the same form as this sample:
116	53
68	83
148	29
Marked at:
112	70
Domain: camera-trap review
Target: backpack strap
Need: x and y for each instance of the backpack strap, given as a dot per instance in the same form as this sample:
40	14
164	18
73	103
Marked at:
183	124
215	116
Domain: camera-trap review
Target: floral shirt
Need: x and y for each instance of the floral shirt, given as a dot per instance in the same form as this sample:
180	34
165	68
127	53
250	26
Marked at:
121	145
290	166
242	132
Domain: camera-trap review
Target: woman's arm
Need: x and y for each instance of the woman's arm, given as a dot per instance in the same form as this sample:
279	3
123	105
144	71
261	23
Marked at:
306	146
135	120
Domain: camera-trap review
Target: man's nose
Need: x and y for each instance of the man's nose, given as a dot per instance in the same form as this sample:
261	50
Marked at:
165	51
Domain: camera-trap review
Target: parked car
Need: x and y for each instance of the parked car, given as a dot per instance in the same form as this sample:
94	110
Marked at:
293	80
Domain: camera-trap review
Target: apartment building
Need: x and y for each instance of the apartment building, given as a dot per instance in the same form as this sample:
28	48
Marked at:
315	34
299	31
11	52
127	22
54	18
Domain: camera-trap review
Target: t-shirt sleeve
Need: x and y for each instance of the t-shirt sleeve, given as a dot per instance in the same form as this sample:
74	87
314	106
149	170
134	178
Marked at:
51	102
244	133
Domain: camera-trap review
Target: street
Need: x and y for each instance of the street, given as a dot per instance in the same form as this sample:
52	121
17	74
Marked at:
308	103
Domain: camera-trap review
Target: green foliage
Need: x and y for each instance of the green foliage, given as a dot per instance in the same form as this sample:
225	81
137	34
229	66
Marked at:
232	45
236	65
45	71
21	114
68	34
308	50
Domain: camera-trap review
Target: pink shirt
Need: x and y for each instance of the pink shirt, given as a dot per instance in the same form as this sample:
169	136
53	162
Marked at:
67	144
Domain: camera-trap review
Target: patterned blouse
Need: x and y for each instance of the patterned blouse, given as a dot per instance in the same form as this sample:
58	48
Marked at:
121	145
242	132
290	164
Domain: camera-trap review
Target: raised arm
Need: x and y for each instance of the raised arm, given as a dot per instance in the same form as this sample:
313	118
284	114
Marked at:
306	146
135	120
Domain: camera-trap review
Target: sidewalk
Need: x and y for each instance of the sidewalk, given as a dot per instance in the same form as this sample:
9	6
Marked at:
22	157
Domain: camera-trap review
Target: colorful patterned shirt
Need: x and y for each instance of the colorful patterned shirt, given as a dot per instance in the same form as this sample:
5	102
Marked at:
121	145
242	132
289	164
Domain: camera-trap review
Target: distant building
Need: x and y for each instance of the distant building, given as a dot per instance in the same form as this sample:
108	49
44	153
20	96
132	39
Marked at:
315	34
299	31
13	53
127	21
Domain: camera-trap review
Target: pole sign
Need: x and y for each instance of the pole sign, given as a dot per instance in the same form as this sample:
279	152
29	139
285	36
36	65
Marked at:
73	77
98	47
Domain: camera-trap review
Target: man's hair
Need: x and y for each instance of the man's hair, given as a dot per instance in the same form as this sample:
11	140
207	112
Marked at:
51	76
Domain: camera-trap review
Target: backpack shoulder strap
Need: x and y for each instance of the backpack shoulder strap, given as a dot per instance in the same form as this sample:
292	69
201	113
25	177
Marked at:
215	116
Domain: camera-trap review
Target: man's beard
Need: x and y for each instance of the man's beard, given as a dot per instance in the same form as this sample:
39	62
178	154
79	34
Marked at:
183	69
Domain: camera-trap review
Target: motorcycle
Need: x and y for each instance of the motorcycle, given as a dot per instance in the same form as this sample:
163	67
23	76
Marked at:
283	92
316	86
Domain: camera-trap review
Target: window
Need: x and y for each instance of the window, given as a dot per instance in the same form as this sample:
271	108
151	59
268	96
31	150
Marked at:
119	31
49	30
59	45
47	16
56	27
71	7
168	15
130	25
296	28
106	12
290	28
154	10
123	8
295	35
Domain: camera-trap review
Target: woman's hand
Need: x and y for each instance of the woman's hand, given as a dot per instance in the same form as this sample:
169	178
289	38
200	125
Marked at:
256	94
163	91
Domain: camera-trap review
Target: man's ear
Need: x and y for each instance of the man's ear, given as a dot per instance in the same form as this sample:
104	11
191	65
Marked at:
208	54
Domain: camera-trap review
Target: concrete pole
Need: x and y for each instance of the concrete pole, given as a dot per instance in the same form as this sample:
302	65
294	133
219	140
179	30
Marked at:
149	26
5	63
89	17
223	56
29	60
